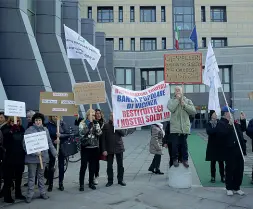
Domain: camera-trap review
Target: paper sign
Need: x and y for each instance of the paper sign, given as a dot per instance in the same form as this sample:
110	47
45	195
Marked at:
58	104
14	108
89	92
133	109
36	142
250	95
183	68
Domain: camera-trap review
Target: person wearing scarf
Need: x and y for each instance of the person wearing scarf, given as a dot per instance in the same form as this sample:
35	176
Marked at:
156	147
89	131
33	161
14	159
213	151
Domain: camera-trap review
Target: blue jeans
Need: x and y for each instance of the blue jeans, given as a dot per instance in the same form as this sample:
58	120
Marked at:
178	141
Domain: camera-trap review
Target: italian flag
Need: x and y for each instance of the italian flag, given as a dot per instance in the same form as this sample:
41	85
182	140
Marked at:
177	38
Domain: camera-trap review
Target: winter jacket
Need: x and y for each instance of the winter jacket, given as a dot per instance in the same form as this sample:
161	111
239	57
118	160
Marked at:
112	141
89	133
214	150
34	158
180	122
230	147
166	139
249	131
1	147
156	142
52	128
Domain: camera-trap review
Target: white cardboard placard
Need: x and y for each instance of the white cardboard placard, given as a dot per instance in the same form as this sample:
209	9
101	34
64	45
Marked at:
14	108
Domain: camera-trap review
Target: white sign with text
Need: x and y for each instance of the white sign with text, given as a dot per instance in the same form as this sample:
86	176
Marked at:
36	142
14	108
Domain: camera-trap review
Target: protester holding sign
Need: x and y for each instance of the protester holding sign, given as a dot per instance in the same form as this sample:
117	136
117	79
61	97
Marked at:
14	159
33	160
181	108
89	131
113	145
63	135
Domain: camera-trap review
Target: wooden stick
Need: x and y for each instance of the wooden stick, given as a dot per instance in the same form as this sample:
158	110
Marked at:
91	113
58	131
41	162
15	120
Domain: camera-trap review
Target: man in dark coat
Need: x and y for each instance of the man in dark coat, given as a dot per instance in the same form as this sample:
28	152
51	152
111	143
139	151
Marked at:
112	144
213	150
232	153
249	132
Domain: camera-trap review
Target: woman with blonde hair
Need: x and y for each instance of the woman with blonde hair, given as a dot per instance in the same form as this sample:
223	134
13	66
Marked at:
89	131
14	159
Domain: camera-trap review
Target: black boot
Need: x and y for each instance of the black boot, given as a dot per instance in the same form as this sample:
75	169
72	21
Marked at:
61	187
8	198
50	188
19	196
213	180
223	179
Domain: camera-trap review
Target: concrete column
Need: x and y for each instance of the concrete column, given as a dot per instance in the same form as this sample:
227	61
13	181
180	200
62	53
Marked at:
22	70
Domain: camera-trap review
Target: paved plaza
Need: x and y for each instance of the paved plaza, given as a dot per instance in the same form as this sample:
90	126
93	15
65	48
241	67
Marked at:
143	191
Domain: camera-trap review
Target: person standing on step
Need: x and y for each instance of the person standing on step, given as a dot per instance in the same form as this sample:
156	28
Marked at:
113	145
214	150
231	149
156	147
181	108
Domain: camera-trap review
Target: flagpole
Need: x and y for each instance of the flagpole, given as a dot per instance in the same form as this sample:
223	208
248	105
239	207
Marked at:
238	141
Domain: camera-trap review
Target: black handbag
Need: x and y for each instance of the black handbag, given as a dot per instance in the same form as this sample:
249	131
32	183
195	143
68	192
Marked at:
69	148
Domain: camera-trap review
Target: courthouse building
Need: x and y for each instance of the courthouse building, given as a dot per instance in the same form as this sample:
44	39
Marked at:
142	31
132	36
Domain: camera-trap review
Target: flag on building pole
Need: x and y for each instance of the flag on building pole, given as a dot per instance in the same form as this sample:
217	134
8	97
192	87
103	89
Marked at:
194	38
177	39
211	78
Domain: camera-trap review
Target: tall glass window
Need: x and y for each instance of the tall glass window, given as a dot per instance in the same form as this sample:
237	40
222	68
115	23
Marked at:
90	12
132	44
105	14
120	14
163	14
132	14
121	44
125	77
147	14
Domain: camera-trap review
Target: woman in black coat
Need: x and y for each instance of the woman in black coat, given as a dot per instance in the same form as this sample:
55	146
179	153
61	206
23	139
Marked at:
213	151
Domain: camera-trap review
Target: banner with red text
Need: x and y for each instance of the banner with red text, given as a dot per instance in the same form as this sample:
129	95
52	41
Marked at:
133	109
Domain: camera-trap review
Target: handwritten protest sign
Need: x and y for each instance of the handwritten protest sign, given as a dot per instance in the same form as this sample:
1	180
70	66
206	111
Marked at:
183	68
58	104
78	48
140	108
14	108
89	92
250	94
36	142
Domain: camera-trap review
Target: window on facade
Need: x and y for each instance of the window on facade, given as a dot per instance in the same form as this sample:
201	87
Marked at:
132	14
120	14
147	14
105	14
163	43
132	44
148	44
188	88
203	14
184	21
163	14
226	78
203	42
219	42
90	12
151	77
121	44
218	14
110	40
124	77
31	13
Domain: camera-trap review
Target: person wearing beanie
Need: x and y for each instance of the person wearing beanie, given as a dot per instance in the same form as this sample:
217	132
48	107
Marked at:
33	161
213	150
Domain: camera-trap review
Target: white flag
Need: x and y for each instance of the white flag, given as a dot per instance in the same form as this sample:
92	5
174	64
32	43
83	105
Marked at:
78	48
214	103
211	72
